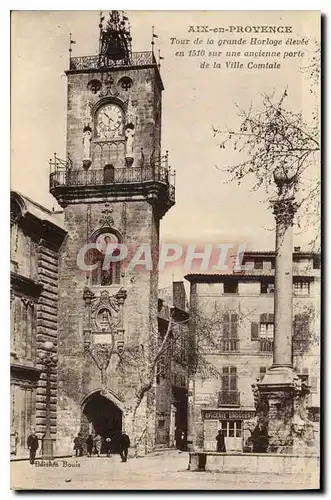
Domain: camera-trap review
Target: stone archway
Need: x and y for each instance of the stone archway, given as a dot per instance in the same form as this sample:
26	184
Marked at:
102	416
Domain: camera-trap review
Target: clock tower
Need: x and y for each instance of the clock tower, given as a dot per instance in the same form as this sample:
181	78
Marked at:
114	186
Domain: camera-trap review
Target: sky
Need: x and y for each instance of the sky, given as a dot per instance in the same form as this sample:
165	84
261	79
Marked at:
207	208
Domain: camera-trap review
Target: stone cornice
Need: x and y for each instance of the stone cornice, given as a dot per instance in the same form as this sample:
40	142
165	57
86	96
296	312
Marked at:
155	193
24	285
22	372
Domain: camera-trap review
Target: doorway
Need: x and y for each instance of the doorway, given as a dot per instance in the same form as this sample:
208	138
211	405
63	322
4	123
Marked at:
180	403
105	419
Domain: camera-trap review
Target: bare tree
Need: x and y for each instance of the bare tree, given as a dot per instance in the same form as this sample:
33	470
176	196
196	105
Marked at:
215	331
305	330
146	362
276	139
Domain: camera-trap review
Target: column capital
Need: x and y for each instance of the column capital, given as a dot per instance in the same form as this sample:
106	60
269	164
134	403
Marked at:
284	210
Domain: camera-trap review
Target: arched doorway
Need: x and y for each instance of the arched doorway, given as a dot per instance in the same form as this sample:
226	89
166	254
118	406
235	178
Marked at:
105	418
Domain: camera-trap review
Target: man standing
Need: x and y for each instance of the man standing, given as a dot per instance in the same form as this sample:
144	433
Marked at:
124	446
78	445
89	445
220	442
97	444
32	443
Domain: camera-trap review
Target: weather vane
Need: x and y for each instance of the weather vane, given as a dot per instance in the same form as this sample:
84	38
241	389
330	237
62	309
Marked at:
153	36
71	43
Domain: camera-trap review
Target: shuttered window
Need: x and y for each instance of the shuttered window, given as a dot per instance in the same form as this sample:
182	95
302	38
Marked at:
264	329
230	326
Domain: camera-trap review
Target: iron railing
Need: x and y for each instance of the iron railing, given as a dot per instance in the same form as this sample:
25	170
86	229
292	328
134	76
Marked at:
229	398
266	345
229	345
95	62
104	176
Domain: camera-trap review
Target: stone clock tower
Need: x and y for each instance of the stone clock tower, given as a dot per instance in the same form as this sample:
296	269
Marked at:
114	188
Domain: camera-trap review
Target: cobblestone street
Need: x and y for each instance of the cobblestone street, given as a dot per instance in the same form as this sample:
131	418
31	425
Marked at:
166	470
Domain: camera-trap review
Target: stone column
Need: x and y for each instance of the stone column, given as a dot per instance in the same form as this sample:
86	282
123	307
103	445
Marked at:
275	407
282	351
281	373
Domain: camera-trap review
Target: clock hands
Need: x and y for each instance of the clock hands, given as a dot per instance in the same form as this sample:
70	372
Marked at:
109	118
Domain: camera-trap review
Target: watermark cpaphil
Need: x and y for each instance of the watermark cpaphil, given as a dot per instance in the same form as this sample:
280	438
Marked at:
192	257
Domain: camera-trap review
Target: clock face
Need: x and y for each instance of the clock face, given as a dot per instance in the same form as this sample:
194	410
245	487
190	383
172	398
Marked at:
109	122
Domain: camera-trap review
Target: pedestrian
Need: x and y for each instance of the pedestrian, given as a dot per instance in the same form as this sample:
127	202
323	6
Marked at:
124	446
182	441
97	444
259	439
32	443
78	445
220	442
108	446
89	445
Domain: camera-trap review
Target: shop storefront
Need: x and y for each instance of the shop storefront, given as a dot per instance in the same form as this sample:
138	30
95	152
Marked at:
232	422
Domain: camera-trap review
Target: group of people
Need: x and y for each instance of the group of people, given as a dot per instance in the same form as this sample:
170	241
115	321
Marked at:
94	445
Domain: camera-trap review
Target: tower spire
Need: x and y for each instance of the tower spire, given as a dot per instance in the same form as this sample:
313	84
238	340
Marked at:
115	39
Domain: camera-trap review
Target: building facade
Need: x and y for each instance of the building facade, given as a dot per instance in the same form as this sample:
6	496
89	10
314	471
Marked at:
36	236
232	321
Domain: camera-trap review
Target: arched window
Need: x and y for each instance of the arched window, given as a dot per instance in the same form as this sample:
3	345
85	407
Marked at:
107	272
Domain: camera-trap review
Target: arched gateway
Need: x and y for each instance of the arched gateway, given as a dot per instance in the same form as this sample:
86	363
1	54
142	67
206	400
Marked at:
102	414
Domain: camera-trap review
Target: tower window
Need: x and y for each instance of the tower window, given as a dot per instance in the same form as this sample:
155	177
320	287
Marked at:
94	86
125	83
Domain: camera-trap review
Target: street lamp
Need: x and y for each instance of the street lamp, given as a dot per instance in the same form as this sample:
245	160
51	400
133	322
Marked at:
49	360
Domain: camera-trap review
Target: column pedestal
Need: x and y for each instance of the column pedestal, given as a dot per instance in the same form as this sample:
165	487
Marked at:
275	409
282	408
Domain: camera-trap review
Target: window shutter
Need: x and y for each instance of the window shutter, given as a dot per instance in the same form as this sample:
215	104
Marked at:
296	326
226	329
255	331
264	318
271	318
301	326
305	320
226	317
233	378
234	325
313	384
233	382
225	381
